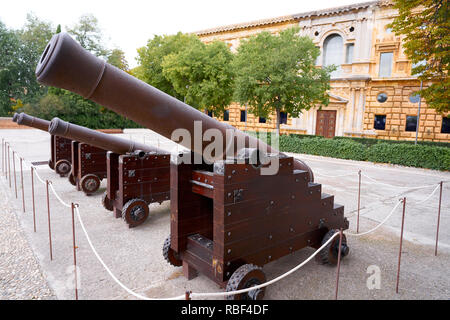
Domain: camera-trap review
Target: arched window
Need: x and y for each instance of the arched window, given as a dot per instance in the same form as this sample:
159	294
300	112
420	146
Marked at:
333	50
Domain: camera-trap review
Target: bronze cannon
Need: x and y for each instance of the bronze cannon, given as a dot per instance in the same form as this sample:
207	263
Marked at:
60	147
228	219
137	174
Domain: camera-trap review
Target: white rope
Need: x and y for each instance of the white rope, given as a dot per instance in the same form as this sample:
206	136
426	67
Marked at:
379	225
137	295
391	185
37	175
227	293
431	194
57	196
343	175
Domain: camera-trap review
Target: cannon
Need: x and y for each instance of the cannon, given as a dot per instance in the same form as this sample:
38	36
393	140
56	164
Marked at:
228	217
137	174
60	147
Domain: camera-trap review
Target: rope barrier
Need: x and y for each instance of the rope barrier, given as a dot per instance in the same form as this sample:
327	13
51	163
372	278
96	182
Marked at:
379	225
137	295
57	196
391	185
339	176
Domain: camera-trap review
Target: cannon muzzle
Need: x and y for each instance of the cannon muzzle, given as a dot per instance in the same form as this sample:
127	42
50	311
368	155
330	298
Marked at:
65	64
97	139
30	121
15	116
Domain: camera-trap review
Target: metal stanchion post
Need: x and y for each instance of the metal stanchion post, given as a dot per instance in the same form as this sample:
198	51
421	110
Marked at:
14	167
49	225
9	167
338	264
401	244
439	218
74	251
359	201
21	179
32	197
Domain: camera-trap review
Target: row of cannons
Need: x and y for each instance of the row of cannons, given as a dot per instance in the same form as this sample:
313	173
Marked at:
227	217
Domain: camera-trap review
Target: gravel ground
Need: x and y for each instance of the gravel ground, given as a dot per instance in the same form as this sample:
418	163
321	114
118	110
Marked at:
21	277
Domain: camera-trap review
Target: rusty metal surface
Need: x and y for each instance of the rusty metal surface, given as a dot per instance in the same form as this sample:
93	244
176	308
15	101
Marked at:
65	64
30	121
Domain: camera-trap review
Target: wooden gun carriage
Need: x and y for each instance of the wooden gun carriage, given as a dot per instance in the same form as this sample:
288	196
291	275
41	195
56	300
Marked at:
60	147
227	218
137	174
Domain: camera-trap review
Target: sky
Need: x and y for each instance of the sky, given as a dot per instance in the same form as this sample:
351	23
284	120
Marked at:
128	24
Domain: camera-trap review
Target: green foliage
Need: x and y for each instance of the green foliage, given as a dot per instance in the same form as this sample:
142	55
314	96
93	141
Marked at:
19	55
88	33
151	57
343	149
410	155
202	74
116	57
74	108
398	152
425	26
278	73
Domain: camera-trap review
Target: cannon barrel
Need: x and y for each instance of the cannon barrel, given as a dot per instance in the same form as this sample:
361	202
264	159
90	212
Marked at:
65	64
15	116
34	122
98	139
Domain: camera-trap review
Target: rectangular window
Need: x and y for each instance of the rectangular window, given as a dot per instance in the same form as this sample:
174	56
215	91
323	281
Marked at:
283	118
445	125
243	116
349	54
411	123
262	120
380	122
385	64
226	115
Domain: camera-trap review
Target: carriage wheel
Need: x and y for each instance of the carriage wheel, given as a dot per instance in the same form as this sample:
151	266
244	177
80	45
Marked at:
90	183
72	180
329	254
170	255
63	167
107	203
135	212
246	276
51	164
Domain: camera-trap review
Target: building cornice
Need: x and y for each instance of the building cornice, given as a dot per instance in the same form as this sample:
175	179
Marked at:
293	17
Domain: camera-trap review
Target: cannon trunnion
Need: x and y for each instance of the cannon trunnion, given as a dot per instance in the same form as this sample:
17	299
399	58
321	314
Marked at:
135	180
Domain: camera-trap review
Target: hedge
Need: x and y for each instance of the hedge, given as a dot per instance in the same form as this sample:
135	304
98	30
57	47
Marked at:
406	154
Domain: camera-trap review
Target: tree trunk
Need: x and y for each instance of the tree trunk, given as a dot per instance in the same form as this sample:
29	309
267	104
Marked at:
278	121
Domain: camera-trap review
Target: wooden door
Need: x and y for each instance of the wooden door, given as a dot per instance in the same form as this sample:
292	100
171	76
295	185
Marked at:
326	123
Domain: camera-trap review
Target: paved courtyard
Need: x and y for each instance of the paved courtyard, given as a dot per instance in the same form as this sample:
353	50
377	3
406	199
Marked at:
134	255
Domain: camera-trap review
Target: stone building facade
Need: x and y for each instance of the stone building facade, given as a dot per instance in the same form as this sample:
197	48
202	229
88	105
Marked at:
372	91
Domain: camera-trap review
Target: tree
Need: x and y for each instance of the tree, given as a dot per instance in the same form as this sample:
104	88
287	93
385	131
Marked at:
425	26
202	74
88	34
20	53
34	37
9	67
151	57
275	73
116	57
